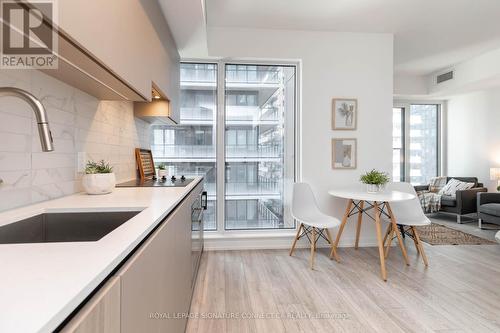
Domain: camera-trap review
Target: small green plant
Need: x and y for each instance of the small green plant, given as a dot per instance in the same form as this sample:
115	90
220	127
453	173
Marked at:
375	177
98	167
161	166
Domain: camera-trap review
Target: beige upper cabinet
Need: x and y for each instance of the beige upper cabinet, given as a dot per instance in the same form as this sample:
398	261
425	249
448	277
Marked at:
129	37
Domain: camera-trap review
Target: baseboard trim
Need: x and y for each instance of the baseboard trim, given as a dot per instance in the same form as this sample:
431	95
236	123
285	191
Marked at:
273	243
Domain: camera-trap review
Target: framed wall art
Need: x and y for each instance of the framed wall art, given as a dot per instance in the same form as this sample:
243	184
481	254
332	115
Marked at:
344	153
344	113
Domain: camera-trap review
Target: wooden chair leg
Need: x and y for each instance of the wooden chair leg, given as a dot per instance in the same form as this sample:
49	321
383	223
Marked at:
415	240
389	241
387	232
383	271
330	240
296	239
398	234
360	220
342	225
420	246
313	246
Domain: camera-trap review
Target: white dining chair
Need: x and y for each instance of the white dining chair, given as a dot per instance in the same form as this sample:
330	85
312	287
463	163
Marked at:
314	224
409	214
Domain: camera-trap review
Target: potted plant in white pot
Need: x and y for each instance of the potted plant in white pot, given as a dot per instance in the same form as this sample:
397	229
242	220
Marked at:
162	171
375	180
99	178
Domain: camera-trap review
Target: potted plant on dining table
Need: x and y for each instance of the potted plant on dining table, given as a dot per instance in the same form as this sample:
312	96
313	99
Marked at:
375	180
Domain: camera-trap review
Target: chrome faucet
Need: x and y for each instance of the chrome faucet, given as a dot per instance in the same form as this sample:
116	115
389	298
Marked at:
40	114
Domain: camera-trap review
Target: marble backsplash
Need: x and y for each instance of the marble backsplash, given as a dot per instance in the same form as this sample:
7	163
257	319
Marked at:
79	123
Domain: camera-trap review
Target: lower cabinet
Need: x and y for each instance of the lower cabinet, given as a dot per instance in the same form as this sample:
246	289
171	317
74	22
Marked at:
101	314
152	291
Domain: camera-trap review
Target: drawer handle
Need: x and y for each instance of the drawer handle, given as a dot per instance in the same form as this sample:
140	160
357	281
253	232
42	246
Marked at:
204	199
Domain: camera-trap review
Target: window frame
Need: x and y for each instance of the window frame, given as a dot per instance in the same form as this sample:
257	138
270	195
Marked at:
242	64
405	105
221	232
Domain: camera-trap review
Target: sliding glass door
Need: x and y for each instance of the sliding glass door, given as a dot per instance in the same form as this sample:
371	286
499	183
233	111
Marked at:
259	135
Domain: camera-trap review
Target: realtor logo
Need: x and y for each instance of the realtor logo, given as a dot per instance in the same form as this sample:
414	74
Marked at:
29	39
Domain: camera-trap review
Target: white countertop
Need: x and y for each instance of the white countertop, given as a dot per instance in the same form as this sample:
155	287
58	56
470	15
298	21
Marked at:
42	283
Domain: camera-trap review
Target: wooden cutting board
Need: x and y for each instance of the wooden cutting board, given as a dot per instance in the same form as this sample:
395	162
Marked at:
144	159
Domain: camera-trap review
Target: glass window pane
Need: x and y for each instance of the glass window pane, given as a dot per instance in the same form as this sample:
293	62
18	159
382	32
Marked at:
242	100
242	137
423	145
252	100
398	157
259	146
189	148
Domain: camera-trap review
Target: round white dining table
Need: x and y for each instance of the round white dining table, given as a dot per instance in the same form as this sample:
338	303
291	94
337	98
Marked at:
361	203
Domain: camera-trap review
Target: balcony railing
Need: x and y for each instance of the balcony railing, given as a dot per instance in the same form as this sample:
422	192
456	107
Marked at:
252	76
232	76
253	188
183	151
254	151
196	113
233	113
205	151
252	113
198	75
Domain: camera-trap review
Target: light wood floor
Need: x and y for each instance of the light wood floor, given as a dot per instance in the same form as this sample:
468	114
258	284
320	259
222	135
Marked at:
459	292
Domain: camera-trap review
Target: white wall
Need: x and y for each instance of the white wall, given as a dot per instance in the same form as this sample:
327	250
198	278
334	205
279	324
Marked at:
333	65
473	135
79	122
412	86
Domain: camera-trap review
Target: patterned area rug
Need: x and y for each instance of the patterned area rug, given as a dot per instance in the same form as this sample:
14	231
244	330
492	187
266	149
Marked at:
436	234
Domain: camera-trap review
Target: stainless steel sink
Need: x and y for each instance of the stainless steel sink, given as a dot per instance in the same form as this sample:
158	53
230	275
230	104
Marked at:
64	227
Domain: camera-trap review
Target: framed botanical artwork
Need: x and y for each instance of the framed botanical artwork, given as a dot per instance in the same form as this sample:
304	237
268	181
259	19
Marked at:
344	153
344	113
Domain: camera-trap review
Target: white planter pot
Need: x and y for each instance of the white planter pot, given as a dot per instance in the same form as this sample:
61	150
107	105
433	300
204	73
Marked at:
99	183
374	188
162	173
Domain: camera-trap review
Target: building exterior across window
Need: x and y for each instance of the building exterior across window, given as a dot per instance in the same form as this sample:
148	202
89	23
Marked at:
258	143
416	144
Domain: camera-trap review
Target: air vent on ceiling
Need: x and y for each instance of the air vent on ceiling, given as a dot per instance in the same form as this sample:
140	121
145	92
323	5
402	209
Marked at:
444	77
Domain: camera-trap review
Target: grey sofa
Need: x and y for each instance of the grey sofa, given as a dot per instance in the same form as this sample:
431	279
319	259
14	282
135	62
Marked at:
488	208
465	202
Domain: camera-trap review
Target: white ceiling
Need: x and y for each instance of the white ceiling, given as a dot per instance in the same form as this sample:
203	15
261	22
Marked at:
429	34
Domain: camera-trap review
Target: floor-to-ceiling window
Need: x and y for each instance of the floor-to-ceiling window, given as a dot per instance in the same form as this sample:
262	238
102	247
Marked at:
259	118
256	143
190	147
416	132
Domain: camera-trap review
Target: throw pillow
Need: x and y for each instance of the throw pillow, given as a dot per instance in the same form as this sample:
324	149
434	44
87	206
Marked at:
436	184
455	185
